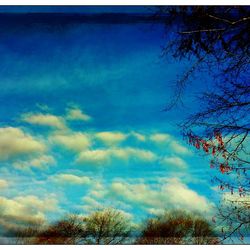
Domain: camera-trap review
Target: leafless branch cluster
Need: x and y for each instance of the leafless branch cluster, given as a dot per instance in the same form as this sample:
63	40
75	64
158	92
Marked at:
110	226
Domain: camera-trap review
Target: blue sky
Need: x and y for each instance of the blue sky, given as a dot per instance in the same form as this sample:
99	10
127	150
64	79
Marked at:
82	127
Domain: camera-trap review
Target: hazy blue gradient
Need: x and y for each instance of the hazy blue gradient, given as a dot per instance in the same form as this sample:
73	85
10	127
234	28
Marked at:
115	74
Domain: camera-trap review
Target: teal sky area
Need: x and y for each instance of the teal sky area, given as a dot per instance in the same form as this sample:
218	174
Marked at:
82	124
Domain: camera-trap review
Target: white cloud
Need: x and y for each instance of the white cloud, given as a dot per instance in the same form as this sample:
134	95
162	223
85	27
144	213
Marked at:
173	194
71	179
104	156
93	157
14	142
136	193
42	205
25	209
174	161
77	114
181	195
40	162
3	184
160	138
74	141
111	138
45	120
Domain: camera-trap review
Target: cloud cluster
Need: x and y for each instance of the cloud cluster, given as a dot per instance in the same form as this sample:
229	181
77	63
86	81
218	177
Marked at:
79	142
40	162
15	142
25	210
173	194
94	148
55	121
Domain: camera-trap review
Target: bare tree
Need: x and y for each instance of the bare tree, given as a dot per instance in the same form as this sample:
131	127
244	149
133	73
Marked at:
177	227
236	213
217	39
108	226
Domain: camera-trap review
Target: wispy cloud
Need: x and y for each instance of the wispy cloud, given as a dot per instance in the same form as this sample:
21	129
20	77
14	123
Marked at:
174	161
3	184
71	179
160	138
104	156
39	162
138	136
173	194
179	149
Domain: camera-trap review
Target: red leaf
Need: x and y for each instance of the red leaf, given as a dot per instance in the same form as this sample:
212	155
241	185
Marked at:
197	144
222	168
213	152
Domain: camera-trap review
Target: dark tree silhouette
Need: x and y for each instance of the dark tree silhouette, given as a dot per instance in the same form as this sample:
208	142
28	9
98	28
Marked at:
217	39
108	226
69	230
26	235
177	227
